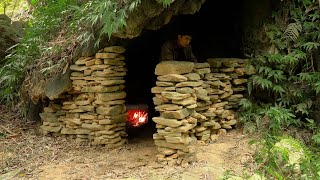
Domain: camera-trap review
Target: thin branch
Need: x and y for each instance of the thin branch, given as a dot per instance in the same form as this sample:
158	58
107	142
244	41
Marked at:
7	130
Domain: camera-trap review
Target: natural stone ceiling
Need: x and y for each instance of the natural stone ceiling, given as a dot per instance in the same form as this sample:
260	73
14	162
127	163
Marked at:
152	15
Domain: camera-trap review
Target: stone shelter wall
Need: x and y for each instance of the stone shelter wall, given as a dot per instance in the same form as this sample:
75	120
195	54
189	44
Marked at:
196	102
94	110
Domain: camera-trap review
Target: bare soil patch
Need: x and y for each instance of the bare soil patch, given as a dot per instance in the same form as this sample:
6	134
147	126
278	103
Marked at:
49	157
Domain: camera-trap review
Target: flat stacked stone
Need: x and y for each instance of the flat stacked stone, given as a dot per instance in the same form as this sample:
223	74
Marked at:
175	99
101	82
207	120
238	70
50	118
219	88
96	111
77	108
227	87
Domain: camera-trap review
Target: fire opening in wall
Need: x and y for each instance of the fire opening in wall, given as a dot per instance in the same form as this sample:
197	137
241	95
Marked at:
137	115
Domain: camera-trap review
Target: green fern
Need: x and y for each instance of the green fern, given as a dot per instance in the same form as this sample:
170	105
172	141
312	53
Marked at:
166	3
316	138
276	75
310	46
293	31
304	107
245	103
262	82
264	69
317	87
278	89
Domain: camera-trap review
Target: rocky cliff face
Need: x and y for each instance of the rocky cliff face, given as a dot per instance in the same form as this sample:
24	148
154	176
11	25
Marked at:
152	15
10	34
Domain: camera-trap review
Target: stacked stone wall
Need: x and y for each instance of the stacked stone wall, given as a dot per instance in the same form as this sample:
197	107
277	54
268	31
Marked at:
206	121
94	110
175	100
195	101
237	71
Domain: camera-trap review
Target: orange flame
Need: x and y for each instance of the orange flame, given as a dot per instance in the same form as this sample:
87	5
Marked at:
137	117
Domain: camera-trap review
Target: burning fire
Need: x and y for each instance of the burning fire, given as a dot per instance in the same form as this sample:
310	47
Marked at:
137	117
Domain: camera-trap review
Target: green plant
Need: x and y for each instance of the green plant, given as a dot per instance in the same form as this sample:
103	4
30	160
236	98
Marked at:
283	157
42	28
58	27
287	73
276	118
51	37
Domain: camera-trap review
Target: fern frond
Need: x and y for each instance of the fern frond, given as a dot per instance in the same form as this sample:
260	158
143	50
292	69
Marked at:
304	107
293	31
317	87
298	54
278	89
262	82
245	103
264	69
288	59
166	3
310	46
277	75
306	77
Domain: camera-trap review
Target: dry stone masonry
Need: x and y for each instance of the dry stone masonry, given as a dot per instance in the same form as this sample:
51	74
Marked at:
206	121
227	85
195	101
95	108
238	71
176	100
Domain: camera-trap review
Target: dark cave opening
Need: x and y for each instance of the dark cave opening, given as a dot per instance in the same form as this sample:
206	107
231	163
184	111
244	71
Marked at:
216	33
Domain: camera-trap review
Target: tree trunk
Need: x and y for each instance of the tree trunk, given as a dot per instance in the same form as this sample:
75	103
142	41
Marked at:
4	8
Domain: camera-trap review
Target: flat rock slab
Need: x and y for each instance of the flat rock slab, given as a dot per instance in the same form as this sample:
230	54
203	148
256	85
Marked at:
201	65
113	110
178	114
58	85
106	55
165	84
192	76
114	49
185	102
167	122
111	96
172	78
174	67
189	84
174	95
168	107
163	143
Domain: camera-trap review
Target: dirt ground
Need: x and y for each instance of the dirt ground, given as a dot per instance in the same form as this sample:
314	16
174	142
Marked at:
36	156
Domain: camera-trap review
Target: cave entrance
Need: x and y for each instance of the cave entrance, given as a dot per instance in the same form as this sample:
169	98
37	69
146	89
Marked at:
216	31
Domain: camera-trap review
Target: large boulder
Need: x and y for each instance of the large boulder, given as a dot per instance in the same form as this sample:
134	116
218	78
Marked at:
11	32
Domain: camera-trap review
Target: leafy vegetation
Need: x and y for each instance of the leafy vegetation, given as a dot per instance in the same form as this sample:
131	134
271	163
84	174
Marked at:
13	7
287	72
56	29
288	75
